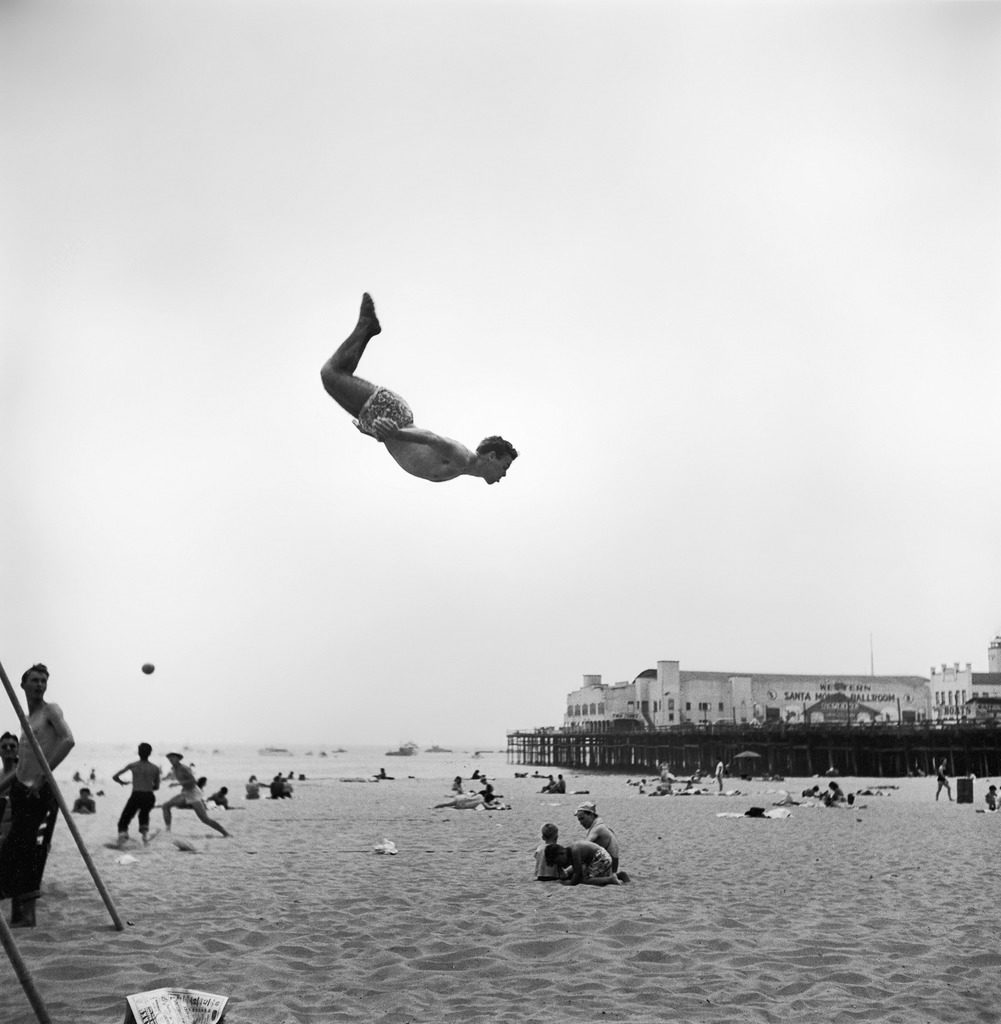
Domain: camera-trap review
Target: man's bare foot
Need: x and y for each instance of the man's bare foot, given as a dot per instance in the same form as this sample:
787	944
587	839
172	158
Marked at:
367	313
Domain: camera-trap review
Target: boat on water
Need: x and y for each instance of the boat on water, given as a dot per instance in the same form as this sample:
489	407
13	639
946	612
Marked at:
275	752
405	750
438	750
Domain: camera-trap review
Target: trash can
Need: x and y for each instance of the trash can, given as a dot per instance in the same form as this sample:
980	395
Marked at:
964	791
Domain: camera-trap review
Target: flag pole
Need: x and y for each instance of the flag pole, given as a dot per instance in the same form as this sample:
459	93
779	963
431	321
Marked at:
23	974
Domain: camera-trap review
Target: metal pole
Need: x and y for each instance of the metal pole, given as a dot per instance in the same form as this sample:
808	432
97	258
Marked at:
71	824
23	974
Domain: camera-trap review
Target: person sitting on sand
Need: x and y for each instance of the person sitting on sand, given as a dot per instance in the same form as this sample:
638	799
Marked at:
457	784
589	863
545	872
84	803
384	415
190	795
221	798
597	831
253	788
834	795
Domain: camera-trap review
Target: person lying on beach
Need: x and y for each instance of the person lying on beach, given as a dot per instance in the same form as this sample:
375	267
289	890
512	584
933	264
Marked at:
221	798
589	863
464	802
190	795
384	415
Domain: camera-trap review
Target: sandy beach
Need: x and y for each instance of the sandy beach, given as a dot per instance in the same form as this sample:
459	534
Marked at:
884	912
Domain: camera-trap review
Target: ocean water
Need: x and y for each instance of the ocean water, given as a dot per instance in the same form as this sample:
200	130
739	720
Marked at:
232	764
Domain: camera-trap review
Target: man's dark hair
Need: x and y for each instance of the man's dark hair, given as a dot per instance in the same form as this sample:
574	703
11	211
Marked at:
553	850
145	750
9	736
496	444
39	668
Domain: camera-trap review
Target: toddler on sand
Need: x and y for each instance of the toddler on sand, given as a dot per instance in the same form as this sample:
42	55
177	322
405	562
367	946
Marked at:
546	872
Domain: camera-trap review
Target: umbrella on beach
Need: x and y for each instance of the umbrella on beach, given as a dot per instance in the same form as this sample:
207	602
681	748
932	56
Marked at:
746	753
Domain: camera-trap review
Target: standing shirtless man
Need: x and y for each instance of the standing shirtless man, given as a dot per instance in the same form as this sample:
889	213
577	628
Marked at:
32	801
385	416
598	832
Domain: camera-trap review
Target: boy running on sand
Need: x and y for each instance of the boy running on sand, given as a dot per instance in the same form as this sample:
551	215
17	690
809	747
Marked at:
190	795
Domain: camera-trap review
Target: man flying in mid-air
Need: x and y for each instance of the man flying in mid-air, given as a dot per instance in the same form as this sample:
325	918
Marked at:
385	416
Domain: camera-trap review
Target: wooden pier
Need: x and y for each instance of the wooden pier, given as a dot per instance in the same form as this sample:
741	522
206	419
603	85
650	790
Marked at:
796	750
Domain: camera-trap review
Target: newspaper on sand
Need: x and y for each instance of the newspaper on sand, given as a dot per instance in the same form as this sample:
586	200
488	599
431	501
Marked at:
174	1006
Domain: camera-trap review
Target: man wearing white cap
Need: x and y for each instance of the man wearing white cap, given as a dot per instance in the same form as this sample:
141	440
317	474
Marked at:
598	832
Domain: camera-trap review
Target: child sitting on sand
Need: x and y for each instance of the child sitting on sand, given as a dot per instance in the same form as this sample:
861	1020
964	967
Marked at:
545	872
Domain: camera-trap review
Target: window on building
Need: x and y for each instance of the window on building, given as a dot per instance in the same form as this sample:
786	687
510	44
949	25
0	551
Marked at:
721	705
601	707
593	709
670	716
670	703
688	705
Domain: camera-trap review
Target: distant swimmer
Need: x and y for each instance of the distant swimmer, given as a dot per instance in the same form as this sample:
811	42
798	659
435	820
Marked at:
384	415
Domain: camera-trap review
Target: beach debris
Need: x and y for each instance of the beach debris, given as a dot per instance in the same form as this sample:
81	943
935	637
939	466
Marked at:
386	846
184	846
174	1006
126	858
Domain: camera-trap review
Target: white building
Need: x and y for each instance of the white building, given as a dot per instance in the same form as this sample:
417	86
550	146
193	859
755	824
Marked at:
958	694
667	696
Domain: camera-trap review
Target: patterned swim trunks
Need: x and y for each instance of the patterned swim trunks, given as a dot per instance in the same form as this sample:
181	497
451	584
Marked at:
384	402
600	867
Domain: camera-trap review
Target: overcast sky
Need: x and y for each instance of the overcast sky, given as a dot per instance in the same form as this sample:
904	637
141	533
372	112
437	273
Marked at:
726	274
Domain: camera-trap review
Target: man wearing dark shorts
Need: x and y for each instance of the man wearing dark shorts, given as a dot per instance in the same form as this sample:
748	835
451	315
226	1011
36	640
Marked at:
142	799
33	805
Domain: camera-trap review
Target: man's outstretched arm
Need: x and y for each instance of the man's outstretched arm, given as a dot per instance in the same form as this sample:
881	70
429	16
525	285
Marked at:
386	430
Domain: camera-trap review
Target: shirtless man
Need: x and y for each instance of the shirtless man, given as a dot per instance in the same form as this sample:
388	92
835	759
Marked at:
142	799
590	863
598	832
384	415
190	795
32	801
